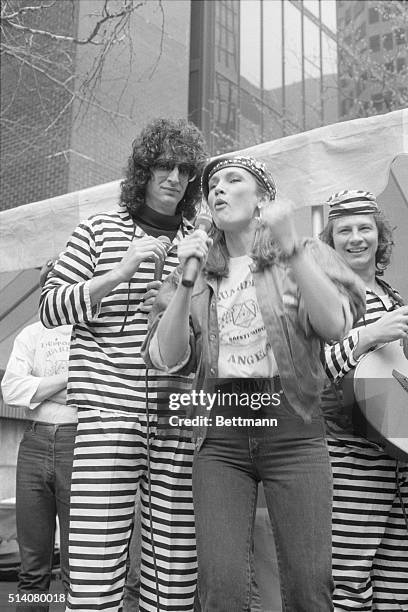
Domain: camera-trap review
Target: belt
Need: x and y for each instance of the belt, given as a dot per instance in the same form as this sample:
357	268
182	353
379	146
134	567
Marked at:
41	426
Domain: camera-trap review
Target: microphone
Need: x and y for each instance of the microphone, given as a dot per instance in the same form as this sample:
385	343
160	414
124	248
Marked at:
192	266
158	270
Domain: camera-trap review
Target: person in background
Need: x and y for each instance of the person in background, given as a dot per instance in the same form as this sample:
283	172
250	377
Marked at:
104	284
35	380
370	529
253	324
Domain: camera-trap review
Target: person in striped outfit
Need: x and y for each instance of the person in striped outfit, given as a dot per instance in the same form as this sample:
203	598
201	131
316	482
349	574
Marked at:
104	285
370	506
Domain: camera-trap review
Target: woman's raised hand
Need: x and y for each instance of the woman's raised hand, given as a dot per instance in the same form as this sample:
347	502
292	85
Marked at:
278	215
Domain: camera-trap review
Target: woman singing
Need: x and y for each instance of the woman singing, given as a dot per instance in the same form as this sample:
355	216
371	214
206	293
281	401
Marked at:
252	328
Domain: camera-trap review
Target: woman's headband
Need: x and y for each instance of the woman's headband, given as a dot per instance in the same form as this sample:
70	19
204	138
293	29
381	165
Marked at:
255	167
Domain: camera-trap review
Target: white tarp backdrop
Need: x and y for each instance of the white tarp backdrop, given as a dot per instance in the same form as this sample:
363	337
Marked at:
308	167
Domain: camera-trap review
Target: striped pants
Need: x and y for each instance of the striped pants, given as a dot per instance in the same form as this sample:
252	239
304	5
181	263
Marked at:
110	460
370	534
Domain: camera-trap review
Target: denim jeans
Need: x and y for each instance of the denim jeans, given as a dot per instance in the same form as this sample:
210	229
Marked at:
292	461
44	468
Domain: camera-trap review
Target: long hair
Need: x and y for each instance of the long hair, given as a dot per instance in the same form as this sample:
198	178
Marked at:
265	250
385	241
184	141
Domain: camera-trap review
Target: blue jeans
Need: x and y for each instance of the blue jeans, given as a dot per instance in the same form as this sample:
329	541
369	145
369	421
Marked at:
44	468
292	461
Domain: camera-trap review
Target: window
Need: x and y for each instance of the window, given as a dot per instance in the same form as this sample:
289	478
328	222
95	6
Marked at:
389	66
329	14
293	44
375	43
312	6
293	63
401	63
329	85
400	36
226	19
250	41
225	114
373	15
311	46
312	80
272	53
272	125
250	120
329	55
388	41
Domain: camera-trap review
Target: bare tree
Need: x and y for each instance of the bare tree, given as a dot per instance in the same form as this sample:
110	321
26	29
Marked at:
54	63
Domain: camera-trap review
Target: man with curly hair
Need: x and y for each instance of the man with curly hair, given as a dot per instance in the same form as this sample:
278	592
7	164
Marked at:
104	284
370	488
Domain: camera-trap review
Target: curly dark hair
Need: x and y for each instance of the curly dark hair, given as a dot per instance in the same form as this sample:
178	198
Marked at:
385	241
185	142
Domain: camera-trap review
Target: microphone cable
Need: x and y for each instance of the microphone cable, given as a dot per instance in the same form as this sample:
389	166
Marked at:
149	489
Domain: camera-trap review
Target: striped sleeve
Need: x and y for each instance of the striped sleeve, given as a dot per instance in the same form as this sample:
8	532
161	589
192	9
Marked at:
65	298
339	357
150	349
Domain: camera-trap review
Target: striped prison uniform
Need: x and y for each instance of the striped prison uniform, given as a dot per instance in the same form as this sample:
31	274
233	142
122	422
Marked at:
107	383
370	536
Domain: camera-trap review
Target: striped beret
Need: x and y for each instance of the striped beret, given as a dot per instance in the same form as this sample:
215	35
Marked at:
352	202
254	166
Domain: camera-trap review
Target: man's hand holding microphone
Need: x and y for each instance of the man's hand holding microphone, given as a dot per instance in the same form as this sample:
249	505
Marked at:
153	287
146	248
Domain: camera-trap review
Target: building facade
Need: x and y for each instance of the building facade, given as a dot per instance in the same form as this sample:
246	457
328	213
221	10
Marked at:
373	57
245	71
52	144
261	69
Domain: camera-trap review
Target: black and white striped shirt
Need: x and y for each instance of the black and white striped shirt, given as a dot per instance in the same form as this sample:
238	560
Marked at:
106	370
339	360
339	356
